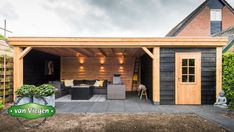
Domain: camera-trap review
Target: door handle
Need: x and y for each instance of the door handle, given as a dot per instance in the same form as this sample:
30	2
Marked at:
178	79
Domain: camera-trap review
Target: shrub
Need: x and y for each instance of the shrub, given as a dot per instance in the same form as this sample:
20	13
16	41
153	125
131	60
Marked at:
1	106
26	91
2	37
44	90
228	77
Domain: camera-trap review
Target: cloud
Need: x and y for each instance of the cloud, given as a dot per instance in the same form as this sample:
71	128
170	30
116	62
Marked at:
110	18
7	11
122	17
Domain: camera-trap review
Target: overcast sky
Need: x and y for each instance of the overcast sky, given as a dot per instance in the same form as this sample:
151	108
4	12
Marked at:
94	18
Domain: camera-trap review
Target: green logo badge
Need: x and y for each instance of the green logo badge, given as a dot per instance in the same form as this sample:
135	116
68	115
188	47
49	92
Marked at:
31	111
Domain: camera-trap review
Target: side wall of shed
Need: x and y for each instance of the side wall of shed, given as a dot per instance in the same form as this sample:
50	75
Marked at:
167	74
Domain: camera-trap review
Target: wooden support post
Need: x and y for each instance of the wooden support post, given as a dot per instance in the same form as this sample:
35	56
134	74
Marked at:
21	56
18	69
148	52
218	70
156	75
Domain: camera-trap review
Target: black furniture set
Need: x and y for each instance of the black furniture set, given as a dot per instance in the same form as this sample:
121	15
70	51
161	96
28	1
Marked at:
85	89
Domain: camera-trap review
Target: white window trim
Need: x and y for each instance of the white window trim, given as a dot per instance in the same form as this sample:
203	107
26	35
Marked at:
215	14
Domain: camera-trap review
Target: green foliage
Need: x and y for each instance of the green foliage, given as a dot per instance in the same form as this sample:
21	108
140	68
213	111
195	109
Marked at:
231	105
1	106
44	90
228	76
31	90
26	91
2	37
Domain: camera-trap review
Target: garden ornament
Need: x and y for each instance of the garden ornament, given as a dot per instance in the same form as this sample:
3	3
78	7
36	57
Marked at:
221	100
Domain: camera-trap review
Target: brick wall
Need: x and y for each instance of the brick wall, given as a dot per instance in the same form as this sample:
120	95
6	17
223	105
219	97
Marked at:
200	25
228	18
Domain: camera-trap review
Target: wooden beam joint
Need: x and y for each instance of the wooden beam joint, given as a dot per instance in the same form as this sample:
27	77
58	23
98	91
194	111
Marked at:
148	52
25	52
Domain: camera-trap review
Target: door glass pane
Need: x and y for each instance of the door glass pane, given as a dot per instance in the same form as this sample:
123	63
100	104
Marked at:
184	70
191	78
191	70
184	62
191	62
184	78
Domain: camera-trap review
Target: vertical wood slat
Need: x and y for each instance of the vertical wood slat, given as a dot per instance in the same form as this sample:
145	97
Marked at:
156	75
218	70
18	70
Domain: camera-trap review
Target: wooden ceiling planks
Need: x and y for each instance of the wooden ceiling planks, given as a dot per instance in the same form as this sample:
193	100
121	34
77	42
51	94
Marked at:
94	52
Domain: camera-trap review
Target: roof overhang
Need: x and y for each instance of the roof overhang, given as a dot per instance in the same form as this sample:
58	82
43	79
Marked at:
85	42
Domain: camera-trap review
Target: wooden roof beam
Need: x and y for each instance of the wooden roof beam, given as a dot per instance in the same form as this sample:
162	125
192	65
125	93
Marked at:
82	52
75	52
89	51
103	52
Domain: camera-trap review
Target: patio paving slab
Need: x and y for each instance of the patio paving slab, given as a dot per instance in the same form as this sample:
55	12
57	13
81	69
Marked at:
134	105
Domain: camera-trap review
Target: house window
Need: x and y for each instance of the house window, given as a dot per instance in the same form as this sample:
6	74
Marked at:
215	15
188	70
215	21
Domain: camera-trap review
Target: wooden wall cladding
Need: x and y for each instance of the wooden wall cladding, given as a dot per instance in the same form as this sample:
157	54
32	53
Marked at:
167	74
91	69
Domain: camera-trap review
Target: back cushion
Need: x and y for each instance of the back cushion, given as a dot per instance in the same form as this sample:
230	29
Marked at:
78	82
89	82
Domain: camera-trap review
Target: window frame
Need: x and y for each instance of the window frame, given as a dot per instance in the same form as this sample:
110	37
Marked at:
187	66
216	15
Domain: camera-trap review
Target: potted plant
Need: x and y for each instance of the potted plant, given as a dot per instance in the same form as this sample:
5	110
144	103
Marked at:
25	92
45	91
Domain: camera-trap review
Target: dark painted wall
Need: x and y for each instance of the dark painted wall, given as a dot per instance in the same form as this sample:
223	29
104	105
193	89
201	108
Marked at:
215	4
34	68
146	74
167	75
215	27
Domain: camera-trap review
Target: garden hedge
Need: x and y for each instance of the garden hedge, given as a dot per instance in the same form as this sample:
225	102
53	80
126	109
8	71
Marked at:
228	77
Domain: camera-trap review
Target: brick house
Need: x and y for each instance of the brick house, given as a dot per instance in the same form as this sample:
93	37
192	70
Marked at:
211	17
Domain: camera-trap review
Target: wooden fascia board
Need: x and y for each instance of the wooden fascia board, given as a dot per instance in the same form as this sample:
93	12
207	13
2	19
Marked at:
117	42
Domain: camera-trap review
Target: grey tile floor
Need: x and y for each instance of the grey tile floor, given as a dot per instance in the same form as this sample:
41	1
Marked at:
134	105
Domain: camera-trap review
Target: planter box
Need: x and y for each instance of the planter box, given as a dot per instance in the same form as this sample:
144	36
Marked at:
50	100
24	100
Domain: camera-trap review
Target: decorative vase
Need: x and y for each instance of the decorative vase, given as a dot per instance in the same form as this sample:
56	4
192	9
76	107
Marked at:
49	99
24	100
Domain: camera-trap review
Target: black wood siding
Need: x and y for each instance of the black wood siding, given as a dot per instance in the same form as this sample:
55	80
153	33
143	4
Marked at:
215	27
34	68
215	4
167	75
146	74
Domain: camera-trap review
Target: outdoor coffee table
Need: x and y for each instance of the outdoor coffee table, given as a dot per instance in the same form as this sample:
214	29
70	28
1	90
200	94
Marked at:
81	92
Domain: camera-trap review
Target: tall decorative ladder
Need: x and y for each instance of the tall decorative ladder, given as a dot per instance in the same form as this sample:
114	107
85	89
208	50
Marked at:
136	74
